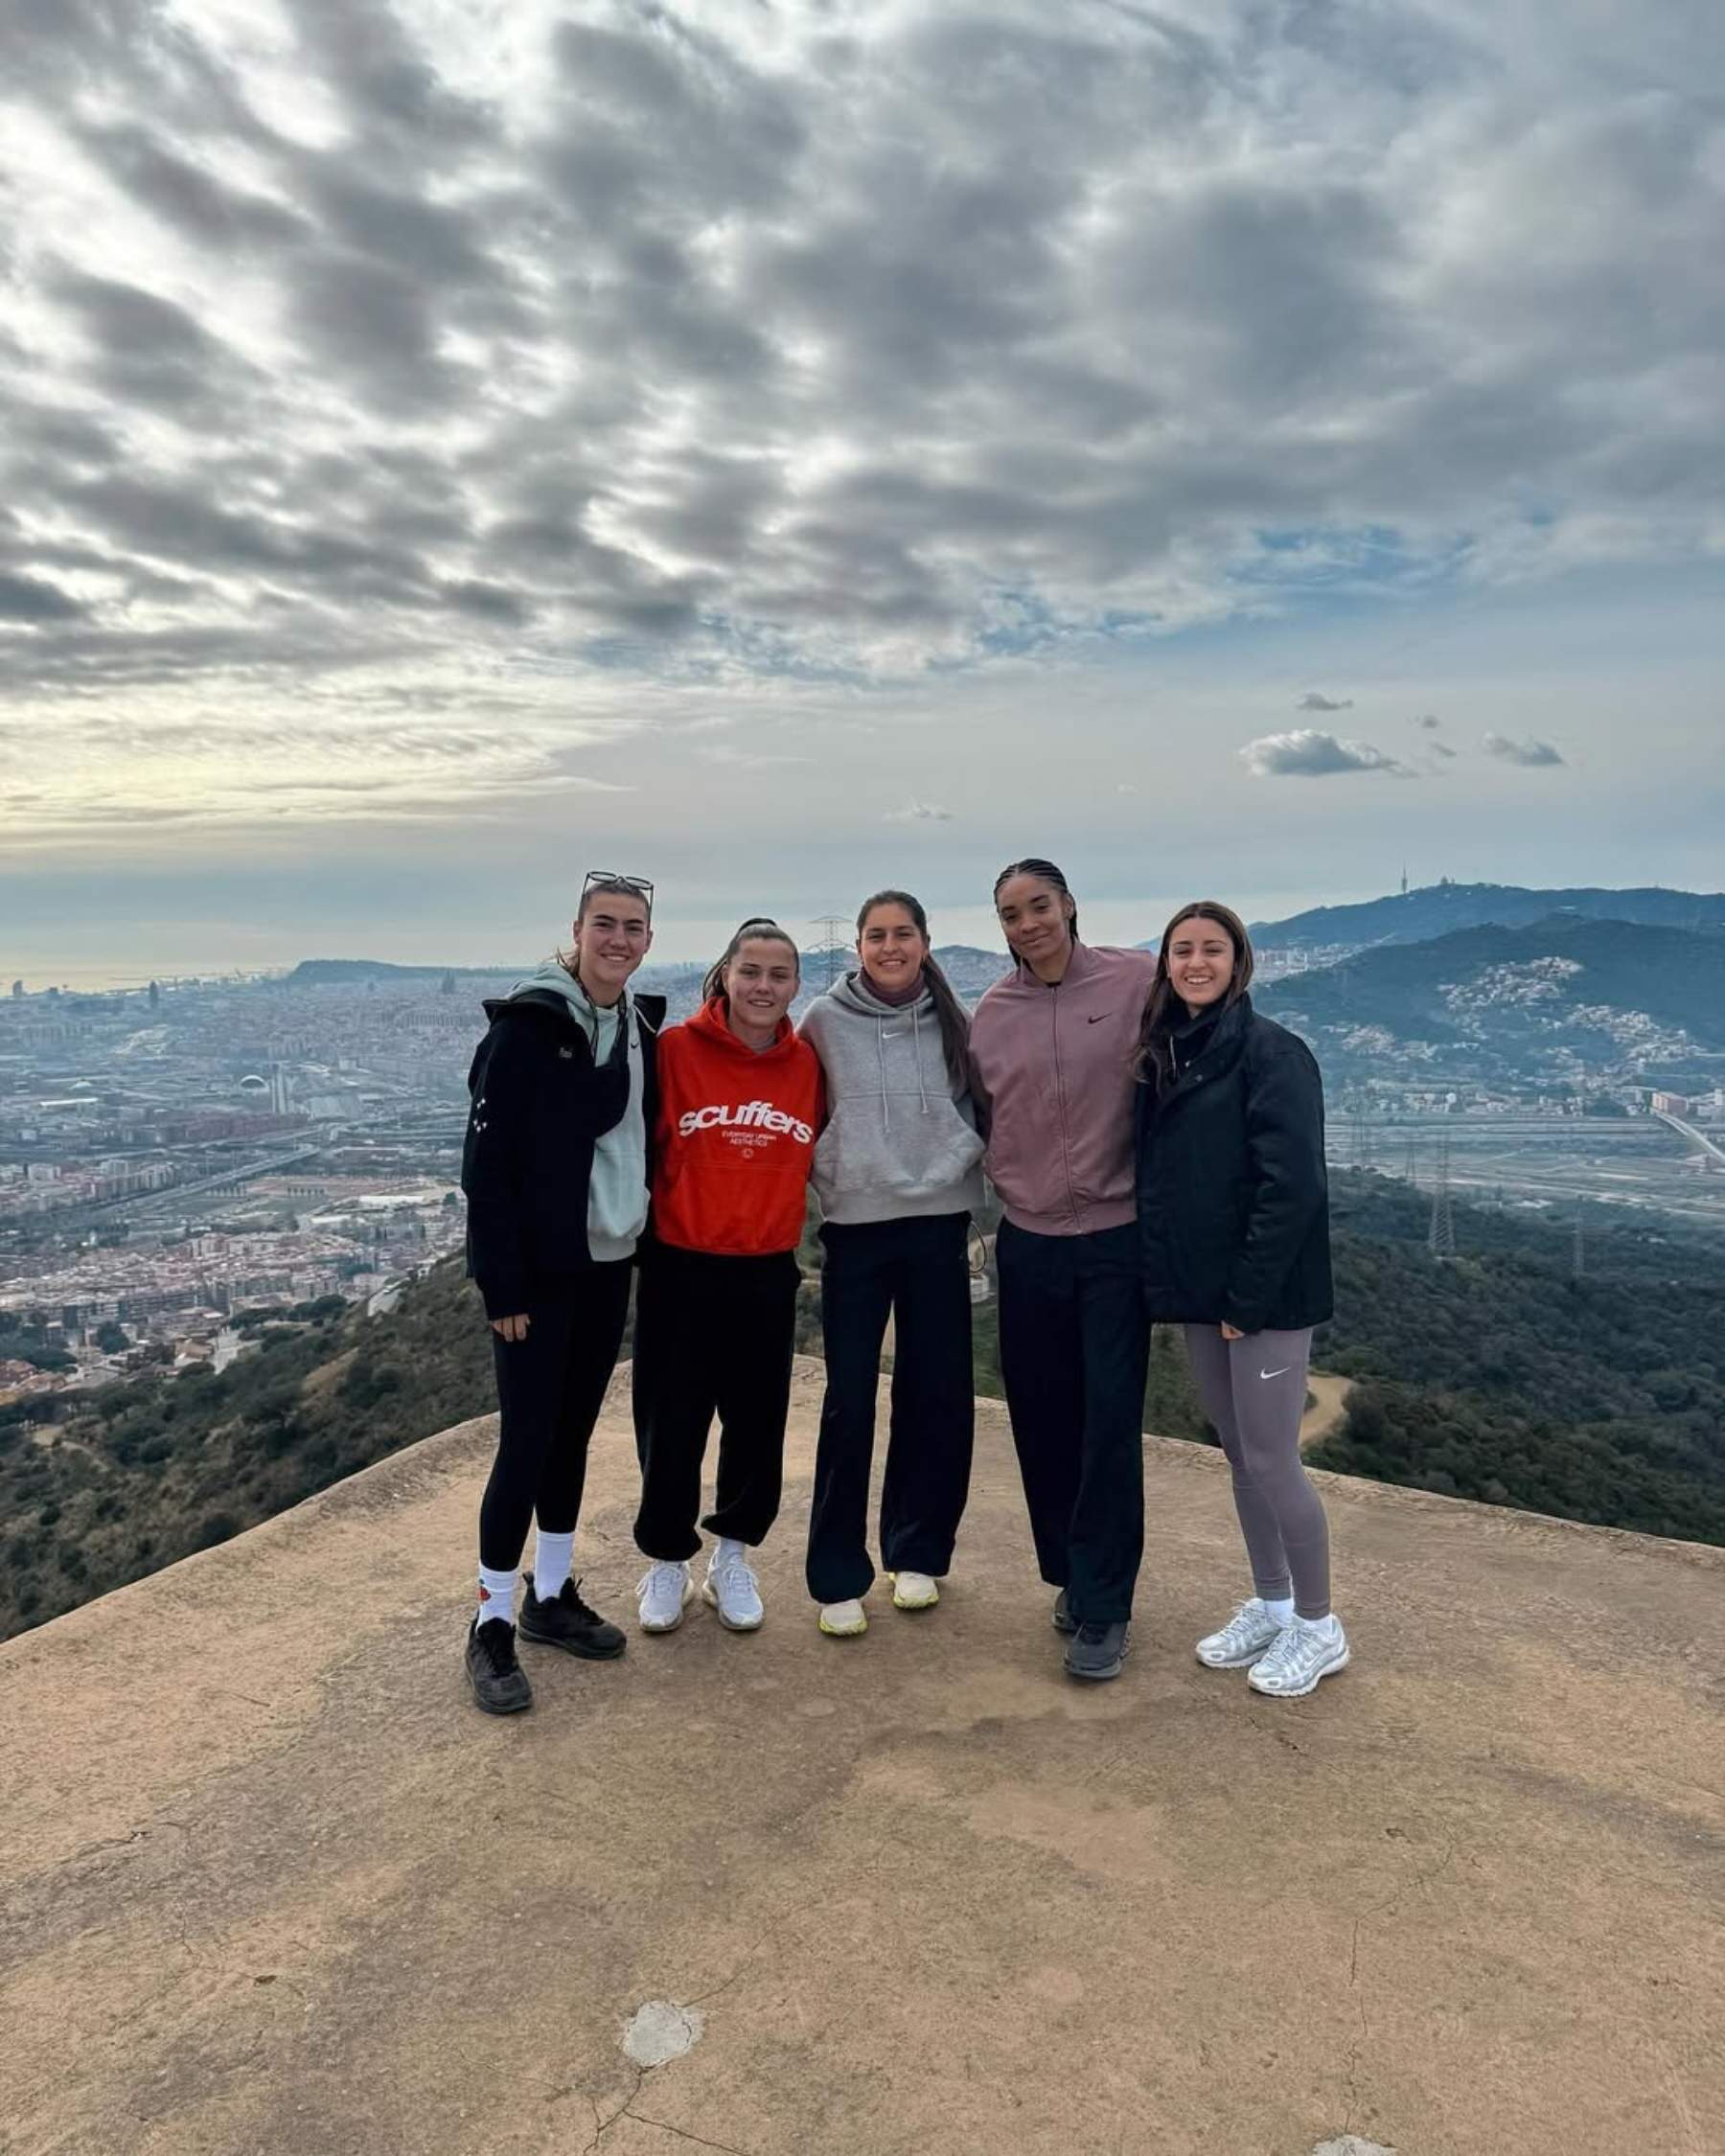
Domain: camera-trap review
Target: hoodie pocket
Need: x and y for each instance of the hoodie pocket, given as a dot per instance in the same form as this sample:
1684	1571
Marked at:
905	1151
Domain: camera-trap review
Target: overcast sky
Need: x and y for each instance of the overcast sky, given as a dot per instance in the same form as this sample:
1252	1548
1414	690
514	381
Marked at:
1237	445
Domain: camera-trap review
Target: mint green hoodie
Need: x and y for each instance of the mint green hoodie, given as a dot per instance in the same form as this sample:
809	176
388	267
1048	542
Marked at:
899	1141
617	1191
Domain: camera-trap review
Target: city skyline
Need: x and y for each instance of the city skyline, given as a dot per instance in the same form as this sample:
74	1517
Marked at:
787	452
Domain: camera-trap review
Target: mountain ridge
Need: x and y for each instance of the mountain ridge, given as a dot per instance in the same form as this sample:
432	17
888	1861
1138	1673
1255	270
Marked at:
1435	909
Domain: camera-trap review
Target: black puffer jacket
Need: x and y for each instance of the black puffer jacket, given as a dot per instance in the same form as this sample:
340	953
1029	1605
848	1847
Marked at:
539	1106
1232	1197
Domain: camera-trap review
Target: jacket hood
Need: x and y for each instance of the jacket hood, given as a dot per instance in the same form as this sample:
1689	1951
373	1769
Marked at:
710	1022
552	987
553	975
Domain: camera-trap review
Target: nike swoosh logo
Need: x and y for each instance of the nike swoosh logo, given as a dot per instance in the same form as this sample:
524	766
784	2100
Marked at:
1282	1372
1099	1016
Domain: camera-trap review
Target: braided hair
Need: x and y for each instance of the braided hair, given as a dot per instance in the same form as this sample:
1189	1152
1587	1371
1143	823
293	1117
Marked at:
1034	865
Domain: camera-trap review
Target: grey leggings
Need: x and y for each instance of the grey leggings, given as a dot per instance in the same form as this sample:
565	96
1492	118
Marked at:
1254	1390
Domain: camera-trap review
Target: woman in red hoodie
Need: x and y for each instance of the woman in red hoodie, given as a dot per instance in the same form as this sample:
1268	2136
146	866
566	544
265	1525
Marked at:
739	1105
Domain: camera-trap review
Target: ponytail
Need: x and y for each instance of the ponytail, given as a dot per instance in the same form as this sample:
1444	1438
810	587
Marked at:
954	1025
759	928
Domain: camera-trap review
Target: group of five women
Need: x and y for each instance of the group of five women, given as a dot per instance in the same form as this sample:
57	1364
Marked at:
1157	1148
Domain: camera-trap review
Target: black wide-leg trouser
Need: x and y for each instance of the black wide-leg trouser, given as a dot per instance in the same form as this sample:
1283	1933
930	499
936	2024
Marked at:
918	1273
1074	1356
714	1335
550	1387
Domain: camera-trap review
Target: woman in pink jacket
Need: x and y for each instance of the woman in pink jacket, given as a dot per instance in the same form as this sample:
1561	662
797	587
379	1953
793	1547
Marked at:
1053	1048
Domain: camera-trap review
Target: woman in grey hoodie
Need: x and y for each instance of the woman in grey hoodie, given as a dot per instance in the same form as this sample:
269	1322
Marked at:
898	1173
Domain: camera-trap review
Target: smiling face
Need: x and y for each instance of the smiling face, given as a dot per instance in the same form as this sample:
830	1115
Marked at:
1200	958
891	946
1034	917
761	982
612	938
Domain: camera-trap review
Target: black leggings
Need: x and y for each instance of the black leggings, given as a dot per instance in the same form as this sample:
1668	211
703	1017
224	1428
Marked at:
551	1387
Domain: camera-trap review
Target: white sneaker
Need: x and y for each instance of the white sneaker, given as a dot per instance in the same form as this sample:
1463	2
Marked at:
665	1591
732	1589
1305	1651
1241	1641
843	1621
913	1591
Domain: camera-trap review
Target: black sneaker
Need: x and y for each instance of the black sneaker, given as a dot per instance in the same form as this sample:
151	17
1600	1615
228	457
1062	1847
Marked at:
499	1683
1098	1650
566	1622
1063	1619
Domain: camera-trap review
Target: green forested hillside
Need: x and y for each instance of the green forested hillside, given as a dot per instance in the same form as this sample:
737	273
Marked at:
1499	1375
1496	1375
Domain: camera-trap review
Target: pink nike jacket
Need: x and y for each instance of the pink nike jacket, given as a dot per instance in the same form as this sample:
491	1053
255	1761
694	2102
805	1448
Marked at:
1056	1067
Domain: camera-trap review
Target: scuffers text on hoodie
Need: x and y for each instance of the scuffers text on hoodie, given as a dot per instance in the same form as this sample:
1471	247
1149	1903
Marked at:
753	1115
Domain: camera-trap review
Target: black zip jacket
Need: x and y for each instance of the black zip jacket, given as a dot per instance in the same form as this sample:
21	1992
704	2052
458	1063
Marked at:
539	1107
1232	1195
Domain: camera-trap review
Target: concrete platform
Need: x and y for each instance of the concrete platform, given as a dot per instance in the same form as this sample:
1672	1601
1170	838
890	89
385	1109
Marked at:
269	1883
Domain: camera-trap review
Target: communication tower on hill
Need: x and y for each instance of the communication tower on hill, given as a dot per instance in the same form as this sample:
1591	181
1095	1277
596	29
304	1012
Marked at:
1359	1135
1411	1164
834	946
1441	1239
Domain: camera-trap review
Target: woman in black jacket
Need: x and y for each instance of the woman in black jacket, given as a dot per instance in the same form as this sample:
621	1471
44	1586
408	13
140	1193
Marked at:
1233	1230
555	1168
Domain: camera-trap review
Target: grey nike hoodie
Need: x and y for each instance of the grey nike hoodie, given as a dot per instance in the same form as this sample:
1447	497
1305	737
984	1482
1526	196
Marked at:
899	1141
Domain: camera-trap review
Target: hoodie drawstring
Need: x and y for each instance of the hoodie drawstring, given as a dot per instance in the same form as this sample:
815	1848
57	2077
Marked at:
881	1054
922	1083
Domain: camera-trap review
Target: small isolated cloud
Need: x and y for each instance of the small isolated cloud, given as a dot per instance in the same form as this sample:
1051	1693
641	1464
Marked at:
1429	720
1123	788
1529	753
1313	702
1308	753
918	812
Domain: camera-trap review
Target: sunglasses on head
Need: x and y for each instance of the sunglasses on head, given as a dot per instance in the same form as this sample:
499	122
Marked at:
603	878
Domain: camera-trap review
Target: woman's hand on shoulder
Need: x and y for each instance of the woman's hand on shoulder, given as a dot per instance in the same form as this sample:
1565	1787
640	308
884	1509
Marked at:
1229	1332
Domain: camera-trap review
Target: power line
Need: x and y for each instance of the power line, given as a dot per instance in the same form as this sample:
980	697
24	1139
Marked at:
834	947
1442	1238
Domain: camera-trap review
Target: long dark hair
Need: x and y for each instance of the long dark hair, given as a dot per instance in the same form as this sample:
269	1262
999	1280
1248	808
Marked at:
1034	865
1164	1012
758	928
954	1023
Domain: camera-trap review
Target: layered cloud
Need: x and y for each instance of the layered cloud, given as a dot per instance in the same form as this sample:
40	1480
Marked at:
542	361
1310	753
1531	754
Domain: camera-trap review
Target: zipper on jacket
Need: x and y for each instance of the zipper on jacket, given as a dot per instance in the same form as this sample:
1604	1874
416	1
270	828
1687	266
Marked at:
1066	1136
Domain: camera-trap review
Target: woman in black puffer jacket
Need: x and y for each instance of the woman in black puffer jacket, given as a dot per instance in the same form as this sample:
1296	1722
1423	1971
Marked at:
1234	1230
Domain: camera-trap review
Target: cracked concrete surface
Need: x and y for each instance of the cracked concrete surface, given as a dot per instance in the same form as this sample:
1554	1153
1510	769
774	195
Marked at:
269	1884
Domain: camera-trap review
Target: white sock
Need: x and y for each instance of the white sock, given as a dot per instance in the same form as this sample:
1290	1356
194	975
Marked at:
1324	1623
496	1595
1282	1611
553	1563
729	1547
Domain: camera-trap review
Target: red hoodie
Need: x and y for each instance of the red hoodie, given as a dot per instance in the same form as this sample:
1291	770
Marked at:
736	1138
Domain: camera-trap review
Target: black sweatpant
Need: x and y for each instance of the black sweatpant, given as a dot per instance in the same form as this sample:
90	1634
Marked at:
713	1336
1074	1354
919	1271
549	1389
